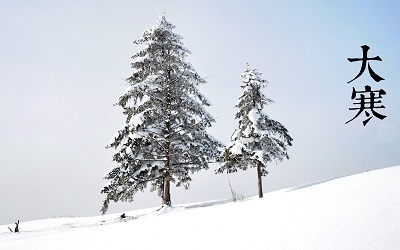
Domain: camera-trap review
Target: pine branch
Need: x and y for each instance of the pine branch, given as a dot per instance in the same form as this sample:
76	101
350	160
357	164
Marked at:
190	163
141	181
187	126
179	77
137	159
137	89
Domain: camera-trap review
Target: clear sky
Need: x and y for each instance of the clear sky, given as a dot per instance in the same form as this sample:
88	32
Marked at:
63	64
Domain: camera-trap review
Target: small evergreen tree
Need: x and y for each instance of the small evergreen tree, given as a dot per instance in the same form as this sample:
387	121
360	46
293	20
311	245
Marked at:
258	140
164	139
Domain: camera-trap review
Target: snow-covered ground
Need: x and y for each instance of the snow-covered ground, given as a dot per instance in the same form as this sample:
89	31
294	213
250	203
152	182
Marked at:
355	212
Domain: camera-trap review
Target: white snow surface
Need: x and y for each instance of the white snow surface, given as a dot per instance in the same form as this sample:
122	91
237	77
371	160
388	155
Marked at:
137	120
254	115
355	212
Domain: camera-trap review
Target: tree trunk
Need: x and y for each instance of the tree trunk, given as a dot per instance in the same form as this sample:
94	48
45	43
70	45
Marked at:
166	197
260	192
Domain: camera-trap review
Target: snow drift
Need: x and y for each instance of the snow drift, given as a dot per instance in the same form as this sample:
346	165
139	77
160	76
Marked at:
355	212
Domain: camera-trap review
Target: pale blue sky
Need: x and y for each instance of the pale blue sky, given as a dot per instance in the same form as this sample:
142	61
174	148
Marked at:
62	65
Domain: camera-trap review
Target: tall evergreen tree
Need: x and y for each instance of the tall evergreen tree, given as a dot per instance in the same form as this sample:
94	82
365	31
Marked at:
258	140
164	138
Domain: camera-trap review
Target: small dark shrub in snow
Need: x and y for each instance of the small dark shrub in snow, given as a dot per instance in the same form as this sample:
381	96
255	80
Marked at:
16	230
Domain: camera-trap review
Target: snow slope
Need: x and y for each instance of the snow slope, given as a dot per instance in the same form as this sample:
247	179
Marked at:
355	212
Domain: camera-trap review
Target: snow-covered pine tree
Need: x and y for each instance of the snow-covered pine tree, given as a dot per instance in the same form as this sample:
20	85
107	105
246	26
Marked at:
164	139
259	139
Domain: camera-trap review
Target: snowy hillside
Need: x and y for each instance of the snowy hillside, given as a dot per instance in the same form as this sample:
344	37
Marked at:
355	212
